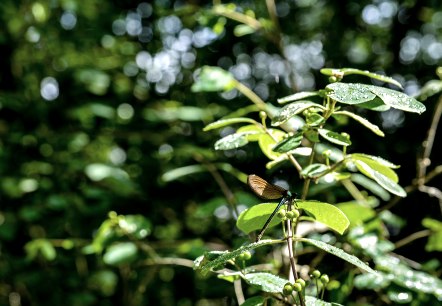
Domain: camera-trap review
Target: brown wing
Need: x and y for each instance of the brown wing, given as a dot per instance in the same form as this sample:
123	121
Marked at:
264	189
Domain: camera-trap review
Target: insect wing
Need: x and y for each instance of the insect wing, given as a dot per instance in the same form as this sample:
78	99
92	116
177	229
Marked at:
264	189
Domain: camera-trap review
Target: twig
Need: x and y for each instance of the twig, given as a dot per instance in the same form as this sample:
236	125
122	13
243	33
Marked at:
412	237
238	291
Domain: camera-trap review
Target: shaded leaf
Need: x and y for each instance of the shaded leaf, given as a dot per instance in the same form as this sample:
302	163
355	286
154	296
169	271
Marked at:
289	143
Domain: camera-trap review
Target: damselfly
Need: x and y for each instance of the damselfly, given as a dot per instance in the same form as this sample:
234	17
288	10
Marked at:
268	191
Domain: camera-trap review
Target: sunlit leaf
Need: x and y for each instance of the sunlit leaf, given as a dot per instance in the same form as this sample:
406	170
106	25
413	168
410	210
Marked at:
253	218
313	301
232	141
435	240
325	213
211	261
267	142
381	179
350	93
298	96
398	100
291	110
213	79
267	282
339	253
348	71
254	301
120	253
225	122
314	170
374	128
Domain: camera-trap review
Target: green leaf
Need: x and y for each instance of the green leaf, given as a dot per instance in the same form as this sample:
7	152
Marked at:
435	240
225	122
120	253
334	137
327	214
339	253
430	88
374	128
376	105
213	79
376	163
253	218
350	93
267	142
314	119
312	135
314	170
177	173
243	29
255	131
210	260
313	301
291	110
267	282
356	213
298	96
371	185
254	301
398	100
372	281
402	275
379	160
289	143
233	141
380	178
348	71
135	225
40	246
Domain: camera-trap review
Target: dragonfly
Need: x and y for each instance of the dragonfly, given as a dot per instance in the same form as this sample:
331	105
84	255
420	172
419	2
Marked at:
267	191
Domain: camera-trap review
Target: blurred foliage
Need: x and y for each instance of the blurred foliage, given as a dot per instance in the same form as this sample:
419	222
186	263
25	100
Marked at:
97	110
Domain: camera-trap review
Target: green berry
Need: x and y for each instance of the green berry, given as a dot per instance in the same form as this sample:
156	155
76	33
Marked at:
332	79
301	282
282	213
324	279
288	289
247	255
316	274
297	287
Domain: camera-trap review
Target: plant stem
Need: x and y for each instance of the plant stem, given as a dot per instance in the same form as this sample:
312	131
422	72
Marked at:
238	291
412	237
291	248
